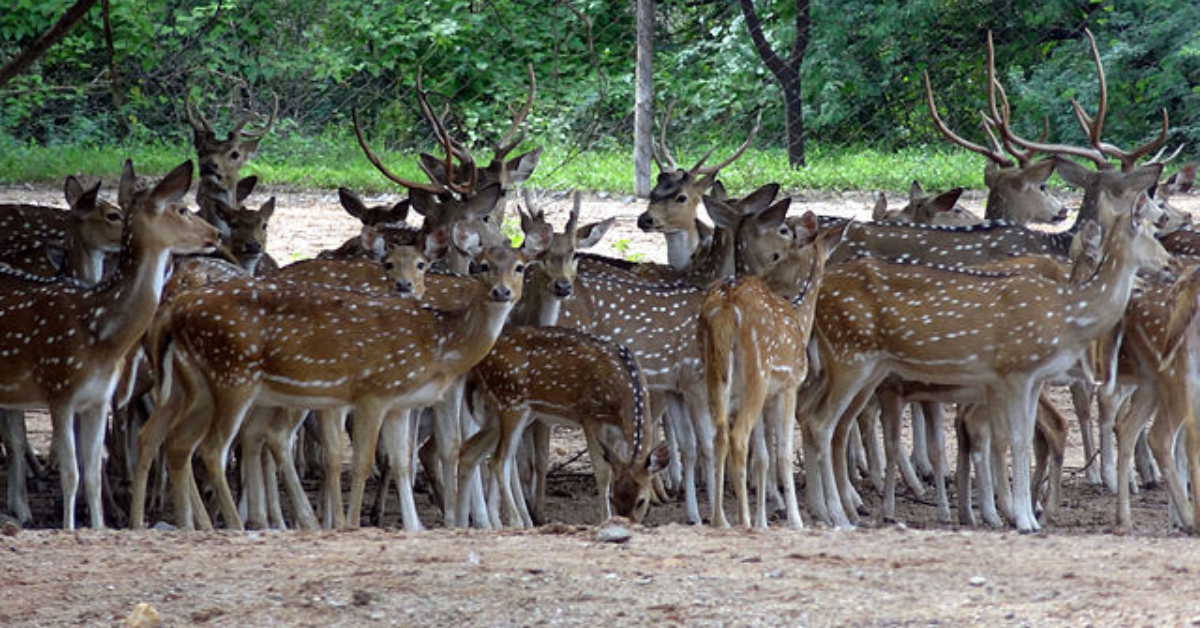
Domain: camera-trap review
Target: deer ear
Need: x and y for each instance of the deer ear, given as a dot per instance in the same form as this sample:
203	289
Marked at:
879	212
245	187
774	215
806	227
659	459
1040	171
722	215
127	188
537	238
466	239
352	203
373	242
484	201
250	146
520	168
718	191
945	201
84	200
423	202
72	189
432	166
268	209
1071	172
833	236
1142	179
915	192
174	186
608	454
399	211
758	200
588	235
437	244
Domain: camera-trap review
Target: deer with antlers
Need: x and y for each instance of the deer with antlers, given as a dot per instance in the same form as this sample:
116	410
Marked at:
82	335
1002	332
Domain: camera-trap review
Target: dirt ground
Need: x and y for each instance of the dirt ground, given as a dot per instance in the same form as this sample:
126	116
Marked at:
1077	573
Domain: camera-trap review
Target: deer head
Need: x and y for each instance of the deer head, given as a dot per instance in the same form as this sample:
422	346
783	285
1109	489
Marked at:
221	160
394	214
557	253
100	222
631	487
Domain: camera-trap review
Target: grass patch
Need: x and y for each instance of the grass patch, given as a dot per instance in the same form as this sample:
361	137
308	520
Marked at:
328	161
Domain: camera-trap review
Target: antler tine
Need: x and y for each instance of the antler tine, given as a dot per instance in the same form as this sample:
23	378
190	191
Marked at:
940	125
1094	125
712	170
662	143
270	121
512	138
573	221
1157	159
1129	159
438	129
1023	157
189	110
434	187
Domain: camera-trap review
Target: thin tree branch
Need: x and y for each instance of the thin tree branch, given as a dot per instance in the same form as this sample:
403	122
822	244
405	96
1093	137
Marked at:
52	36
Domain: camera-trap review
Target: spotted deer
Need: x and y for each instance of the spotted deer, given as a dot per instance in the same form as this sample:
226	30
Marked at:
92	229
66	343
999	331
298	346
676	197
926	209
390	220
568	376
221	161
753	333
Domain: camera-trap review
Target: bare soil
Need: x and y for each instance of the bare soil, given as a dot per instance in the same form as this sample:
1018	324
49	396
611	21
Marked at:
918	572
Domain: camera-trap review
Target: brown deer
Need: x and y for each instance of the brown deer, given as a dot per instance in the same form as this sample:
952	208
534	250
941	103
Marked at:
926	209
676	196
297	346
221	161
753	332
387	219
1003	332
67	343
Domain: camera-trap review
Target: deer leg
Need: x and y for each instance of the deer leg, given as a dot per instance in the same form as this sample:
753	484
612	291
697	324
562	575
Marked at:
601	468
719	415
402	465
332	430
1081	399
253	465
677	417
906	463
1144	462
62	417
1129	422
389	447
230	408
12	430
1108	405
1002	487
867	420
890	406
450	430
1174	412
935	418
368	419
92	423
541	469
473	449
737	438
962	480
1021	404
280	441
922	467
785	454
502	461
760	464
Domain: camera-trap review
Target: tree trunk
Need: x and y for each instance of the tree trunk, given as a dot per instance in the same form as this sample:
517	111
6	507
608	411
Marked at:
53	35
643	113
793	103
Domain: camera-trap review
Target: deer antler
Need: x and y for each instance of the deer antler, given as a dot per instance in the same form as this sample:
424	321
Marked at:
453	149
994	154
512	138
195	118
434	188
270	121
698	169
662	155
573	221
1003	117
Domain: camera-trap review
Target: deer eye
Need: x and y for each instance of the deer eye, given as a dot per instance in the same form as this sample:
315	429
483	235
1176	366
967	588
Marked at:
785	231
682	198
234	155
484	267
420	265
112	216
388	266
1042	187
486	218
774	257
520	268
183	211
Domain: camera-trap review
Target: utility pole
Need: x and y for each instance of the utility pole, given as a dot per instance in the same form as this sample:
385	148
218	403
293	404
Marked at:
643	112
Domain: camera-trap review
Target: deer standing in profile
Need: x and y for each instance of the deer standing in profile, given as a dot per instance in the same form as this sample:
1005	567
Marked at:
67	343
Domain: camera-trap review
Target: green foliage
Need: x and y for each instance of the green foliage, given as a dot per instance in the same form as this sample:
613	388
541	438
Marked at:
623	247
861	79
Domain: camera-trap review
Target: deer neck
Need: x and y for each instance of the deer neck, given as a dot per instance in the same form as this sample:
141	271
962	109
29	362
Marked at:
465	337
537	307
207	192
1099	303
82	262
681	244
123	307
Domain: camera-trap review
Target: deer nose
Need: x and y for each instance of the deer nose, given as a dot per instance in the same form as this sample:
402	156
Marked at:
404	286
562	289
1062	215
209	169
645	222
501	294
253	247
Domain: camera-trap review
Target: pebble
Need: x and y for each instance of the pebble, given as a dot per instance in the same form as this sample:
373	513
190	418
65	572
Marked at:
10	528
977	581
613	534
163	526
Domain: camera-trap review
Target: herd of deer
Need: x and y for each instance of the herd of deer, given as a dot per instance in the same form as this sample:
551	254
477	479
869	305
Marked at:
446	345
